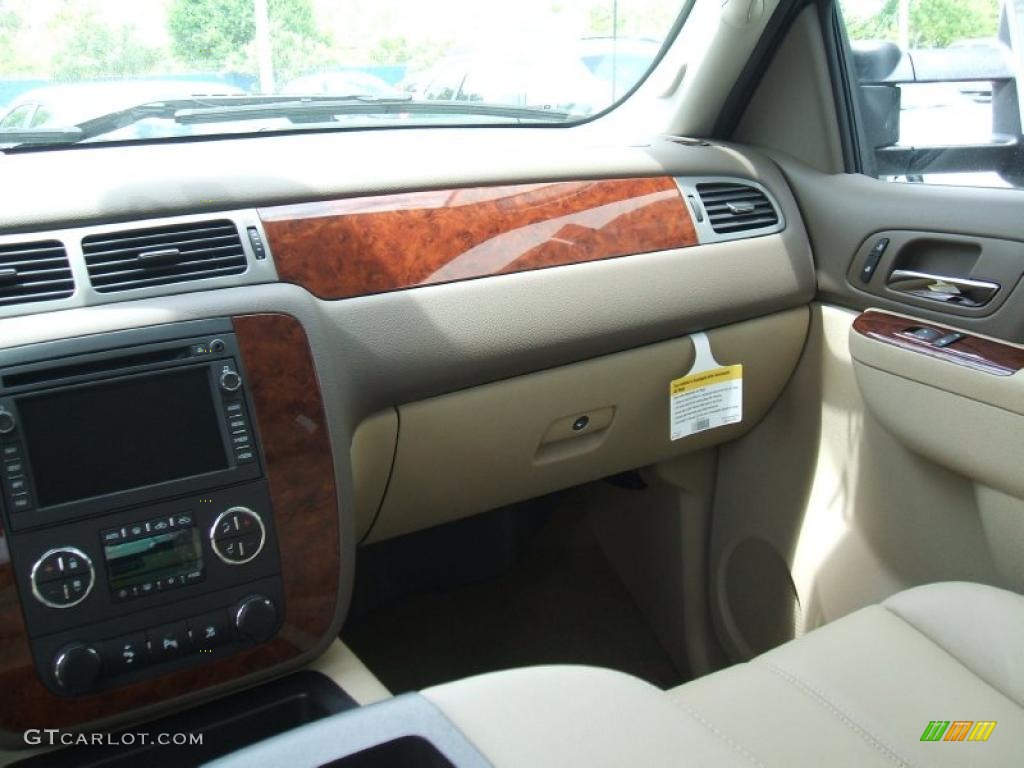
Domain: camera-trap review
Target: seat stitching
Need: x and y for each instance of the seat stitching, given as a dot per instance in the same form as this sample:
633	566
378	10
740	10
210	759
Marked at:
856	727
736	746
952	655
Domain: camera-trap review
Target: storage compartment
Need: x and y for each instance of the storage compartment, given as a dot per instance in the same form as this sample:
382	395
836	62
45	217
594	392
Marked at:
408	752
485	447
224	726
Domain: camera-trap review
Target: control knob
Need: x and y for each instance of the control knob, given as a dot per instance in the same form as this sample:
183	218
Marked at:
7	422
230	381
76	667
256	618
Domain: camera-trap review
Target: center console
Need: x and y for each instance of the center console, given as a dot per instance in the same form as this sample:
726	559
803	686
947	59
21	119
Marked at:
168	506
142	533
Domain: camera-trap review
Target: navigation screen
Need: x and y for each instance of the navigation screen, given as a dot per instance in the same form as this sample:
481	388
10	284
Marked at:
114	436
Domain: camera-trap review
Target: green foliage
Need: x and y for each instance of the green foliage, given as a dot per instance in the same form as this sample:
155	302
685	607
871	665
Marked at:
631	20
93	48
933	23
416	56
220	34
10	26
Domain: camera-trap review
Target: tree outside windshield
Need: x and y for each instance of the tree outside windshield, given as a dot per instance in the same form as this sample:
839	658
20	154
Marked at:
63	62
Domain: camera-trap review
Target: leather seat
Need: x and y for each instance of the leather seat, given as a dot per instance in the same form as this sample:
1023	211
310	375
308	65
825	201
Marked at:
860	691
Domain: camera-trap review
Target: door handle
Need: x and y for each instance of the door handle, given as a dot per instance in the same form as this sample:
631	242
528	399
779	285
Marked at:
962	291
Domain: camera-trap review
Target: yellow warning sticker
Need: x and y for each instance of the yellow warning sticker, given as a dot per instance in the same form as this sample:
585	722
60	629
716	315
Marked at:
706	400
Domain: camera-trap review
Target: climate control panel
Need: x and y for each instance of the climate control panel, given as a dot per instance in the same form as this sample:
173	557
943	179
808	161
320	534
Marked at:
62	577
84	666
150	589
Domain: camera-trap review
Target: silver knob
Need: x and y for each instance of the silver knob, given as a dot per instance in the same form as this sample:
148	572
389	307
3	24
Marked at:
230	381
237	535
62	577
7	422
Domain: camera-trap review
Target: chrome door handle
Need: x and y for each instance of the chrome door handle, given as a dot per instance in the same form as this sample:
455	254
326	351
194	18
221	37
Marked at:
960	291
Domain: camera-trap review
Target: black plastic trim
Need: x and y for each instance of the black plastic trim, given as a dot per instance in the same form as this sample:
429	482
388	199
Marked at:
843	78
227	725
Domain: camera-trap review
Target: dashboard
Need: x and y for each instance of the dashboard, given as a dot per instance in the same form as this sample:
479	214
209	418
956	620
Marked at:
199	400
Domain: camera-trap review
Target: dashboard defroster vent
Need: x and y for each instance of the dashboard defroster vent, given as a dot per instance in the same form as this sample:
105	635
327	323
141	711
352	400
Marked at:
142	258
36	271
735	208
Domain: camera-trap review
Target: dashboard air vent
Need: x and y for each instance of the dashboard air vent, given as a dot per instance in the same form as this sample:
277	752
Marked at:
140	258
736	207
34	272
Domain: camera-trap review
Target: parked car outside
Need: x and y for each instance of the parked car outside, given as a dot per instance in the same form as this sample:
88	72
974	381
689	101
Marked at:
67	105
342	83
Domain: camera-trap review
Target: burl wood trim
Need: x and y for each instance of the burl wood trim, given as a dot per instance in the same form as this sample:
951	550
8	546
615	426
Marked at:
343	248
972	351
300	471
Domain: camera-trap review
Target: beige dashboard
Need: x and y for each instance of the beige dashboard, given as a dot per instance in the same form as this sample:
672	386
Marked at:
443	400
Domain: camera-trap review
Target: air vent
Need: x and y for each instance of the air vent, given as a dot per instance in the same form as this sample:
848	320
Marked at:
142	258
34	272
735	208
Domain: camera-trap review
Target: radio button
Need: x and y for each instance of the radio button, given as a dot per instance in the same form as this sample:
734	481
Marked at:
20	502
233	408
14	468
10	451
124	654
168	642
62	578
245	455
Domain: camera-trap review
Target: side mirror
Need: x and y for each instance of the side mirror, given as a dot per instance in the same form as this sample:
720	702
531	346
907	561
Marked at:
876	60
879	66
880	108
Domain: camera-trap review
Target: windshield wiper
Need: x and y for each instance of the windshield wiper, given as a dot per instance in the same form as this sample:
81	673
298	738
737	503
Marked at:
13	136
217	109
319	108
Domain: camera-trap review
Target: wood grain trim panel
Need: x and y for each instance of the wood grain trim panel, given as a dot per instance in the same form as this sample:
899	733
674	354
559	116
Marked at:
300	472
974	352
344	248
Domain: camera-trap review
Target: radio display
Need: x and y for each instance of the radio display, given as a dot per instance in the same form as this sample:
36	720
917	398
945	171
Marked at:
155	562
115	436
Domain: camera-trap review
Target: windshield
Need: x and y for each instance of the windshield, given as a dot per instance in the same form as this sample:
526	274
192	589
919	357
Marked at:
86	71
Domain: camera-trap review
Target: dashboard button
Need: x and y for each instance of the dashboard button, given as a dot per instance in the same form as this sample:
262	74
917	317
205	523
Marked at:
169	641
237	535
209	630
20	502
256	618
62	577
124	654
49	568
10	451
14	468
76	667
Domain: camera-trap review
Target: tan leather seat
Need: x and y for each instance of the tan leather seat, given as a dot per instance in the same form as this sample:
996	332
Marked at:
860	691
